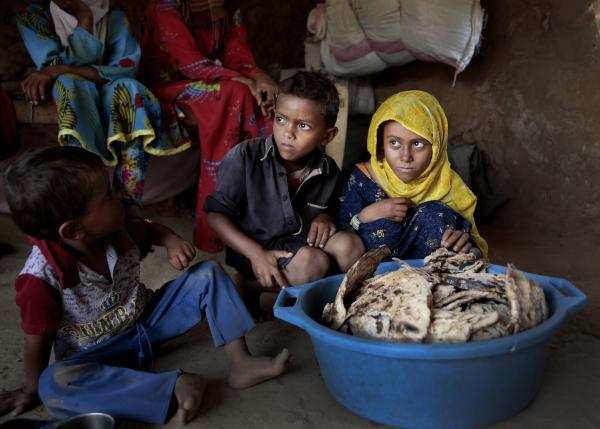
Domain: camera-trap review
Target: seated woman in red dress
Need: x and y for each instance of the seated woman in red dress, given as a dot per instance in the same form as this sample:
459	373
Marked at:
197	61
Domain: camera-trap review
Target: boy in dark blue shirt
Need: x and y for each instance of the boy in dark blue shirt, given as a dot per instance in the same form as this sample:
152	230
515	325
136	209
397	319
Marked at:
276	198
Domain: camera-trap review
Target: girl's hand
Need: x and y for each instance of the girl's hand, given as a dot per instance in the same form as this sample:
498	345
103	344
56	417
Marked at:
18	401
321	229
179	251
457	241
394	209
266	270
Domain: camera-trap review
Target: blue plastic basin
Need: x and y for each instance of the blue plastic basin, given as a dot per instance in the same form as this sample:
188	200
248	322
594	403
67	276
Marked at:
425	386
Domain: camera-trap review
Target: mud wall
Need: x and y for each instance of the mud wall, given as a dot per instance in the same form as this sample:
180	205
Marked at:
531	101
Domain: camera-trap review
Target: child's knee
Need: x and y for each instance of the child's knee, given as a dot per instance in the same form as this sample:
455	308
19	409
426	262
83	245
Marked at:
432	207
207	267
58	378
310	264
438	213
346	248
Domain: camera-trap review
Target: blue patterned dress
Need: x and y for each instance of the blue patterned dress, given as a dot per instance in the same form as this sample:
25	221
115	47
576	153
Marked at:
418	235
119	120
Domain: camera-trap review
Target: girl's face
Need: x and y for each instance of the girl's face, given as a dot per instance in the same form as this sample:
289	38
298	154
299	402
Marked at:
407	153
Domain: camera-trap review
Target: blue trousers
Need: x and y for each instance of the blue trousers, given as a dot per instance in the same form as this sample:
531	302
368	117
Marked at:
111	378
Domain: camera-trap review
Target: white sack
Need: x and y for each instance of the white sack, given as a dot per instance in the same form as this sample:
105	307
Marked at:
361	37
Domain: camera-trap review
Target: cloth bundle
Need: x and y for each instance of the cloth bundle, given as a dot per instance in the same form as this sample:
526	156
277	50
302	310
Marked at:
359	37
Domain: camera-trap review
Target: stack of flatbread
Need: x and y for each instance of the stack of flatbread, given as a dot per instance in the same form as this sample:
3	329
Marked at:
450	300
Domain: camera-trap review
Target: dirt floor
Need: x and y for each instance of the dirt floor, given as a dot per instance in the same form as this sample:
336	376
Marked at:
569	396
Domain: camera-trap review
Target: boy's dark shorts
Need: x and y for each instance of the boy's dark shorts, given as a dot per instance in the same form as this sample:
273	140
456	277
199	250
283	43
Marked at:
244	267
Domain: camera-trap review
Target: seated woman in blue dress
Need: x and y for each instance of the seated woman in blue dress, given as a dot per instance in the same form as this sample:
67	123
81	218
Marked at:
406	196
86	55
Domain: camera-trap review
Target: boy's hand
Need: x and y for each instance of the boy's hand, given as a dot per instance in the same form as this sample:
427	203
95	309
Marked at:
457	241
266	270
321	229
391	208
18	402
179	251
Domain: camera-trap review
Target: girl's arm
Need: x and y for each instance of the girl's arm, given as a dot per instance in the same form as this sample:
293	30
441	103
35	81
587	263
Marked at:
351	201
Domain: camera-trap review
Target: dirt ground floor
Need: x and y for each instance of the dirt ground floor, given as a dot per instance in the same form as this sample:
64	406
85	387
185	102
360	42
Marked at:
569	396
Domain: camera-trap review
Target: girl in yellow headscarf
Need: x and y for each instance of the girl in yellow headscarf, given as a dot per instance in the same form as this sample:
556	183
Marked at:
407	196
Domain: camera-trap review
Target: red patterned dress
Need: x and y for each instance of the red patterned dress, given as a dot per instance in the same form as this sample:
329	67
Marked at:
186	65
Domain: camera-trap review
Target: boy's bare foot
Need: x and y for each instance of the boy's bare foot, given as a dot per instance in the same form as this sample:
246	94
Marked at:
189	389
247	370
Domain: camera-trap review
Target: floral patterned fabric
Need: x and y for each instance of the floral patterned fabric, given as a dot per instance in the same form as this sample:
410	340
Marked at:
119	120
184	65
422	114
416	237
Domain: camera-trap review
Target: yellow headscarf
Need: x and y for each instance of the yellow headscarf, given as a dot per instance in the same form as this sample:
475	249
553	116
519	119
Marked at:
421	113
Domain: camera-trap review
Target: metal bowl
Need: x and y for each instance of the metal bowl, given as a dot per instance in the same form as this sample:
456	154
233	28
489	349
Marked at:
87	421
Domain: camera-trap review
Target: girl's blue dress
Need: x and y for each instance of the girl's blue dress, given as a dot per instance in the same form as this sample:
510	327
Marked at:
418	235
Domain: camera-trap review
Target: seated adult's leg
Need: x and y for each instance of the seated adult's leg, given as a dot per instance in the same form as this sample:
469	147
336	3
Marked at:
79	112
345	248
307	265
133	131
227	114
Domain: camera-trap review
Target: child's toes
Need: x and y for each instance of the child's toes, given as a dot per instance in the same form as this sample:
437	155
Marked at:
282	360
188	391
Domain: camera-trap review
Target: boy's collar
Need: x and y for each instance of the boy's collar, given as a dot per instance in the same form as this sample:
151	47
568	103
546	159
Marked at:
65	264
60	259
321	164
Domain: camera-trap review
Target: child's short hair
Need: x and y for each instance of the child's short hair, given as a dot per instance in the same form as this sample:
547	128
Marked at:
47	187
317	87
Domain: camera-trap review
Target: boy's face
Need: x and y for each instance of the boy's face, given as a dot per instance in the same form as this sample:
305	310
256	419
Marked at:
407	153
299	127
106	213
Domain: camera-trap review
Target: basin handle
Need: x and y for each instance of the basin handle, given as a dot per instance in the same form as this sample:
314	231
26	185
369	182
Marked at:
290	313
574	300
